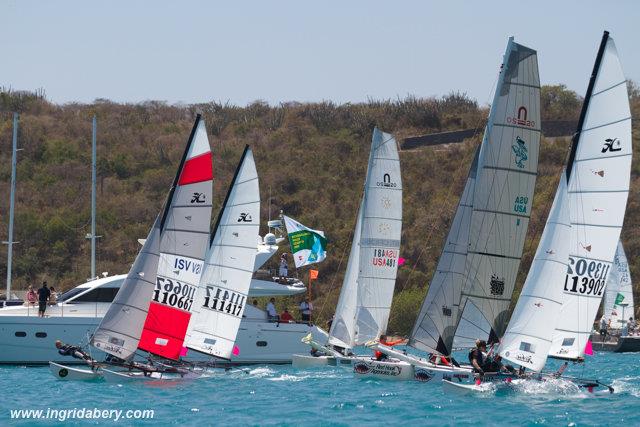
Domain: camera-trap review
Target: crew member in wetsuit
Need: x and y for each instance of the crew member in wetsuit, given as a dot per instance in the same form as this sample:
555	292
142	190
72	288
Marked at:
72	350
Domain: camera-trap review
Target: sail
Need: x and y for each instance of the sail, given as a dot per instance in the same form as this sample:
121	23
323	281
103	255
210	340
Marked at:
342	332
618	297
598	175
503	194
381	230
528	337
119	331
184	239
435	326
222	292
473	326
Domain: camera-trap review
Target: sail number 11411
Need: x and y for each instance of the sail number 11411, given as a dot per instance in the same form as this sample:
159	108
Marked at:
586	277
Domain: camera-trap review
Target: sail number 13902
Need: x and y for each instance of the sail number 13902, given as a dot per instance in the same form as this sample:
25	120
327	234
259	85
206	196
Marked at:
586	277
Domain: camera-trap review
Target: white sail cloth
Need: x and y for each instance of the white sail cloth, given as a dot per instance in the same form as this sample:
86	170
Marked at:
363	309
598	186
618	304
528	337
504	188
222	293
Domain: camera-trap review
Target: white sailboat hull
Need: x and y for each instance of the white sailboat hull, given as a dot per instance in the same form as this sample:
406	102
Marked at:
259	341
68	373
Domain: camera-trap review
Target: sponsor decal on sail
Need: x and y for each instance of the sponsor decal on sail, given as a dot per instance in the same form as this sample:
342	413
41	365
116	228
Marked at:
521	119
611	145
520	150
245	217
198	198
386	182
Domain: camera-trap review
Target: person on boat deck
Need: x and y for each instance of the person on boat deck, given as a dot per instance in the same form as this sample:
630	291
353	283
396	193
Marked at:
384	340
255	302
632	326
603	329
272	314
71	350
286	317
53	298
283	271
305	310
43	296
32	296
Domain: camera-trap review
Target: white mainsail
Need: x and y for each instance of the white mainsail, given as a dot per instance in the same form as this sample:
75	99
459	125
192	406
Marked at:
507	170
380	239
472	327
528	337
222	292
363	309
617	305
123	328
598	185
436	324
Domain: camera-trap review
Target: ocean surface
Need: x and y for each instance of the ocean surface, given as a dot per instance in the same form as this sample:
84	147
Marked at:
282	395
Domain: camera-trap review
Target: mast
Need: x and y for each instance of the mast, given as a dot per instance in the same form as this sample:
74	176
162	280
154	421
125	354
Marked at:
93	199
14	163
585	104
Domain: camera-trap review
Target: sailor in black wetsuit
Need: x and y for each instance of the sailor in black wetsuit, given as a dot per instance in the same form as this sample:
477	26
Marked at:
72	350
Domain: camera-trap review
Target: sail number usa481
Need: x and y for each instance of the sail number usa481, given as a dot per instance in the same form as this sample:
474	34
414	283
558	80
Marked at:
384	258
224	301
586	277
173	293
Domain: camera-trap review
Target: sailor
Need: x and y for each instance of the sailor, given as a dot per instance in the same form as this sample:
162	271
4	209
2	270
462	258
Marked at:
72	350
476	356
603	329
384	340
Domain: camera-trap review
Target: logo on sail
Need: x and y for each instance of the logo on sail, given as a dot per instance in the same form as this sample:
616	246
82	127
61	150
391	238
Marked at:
245	217
521	119
386	182
496	285
609	144
446	311
520	150
524	358
198	198
386	202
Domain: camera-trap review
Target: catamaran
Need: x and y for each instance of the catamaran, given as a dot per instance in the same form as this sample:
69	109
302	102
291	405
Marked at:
618	309
364	304
560	298
476	272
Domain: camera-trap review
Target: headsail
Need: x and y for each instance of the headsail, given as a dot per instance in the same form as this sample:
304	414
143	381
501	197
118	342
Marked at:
504	188
528	337
618	304
222	292
185	235
436	324
598	176
121	328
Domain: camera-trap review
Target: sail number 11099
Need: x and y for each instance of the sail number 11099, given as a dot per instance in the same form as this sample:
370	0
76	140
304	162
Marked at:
586	277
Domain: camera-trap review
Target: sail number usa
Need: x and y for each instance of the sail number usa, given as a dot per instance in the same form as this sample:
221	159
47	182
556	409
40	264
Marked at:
173	293
384	258
224	301
586	277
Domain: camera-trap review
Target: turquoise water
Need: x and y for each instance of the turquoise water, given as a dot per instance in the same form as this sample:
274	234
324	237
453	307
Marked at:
276	395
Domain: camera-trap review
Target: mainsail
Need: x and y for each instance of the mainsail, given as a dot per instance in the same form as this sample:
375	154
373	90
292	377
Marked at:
365	299
617	305
528	337
222	292
504	188
185	234
436	324
167	266
598	176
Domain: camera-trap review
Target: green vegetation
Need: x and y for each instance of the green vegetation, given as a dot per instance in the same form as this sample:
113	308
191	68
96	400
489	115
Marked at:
311	157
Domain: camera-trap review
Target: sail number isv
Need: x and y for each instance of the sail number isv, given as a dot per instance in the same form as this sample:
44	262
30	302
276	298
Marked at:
586	277
173	293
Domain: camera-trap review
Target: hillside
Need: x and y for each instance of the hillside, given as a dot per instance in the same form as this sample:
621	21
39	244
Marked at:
311	158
